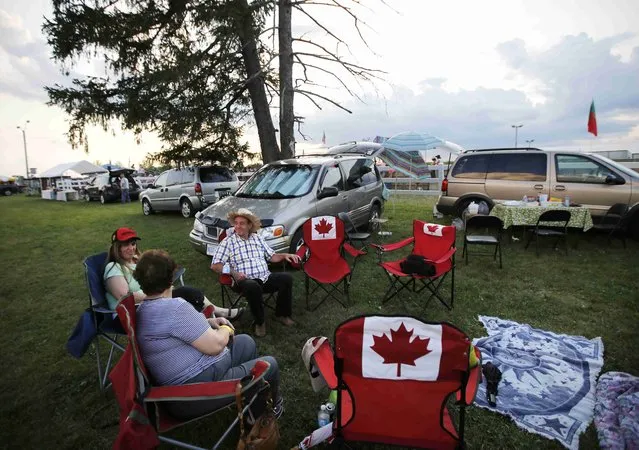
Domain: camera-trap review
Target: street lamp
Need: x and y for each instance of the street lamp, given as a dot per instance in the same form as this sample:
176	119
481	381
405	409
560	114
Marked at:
516	127
529	141
24	142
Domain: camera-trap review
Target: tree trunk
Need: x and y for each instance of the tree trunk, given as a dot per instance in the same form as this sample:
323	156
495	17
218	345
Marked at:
287	117
257	91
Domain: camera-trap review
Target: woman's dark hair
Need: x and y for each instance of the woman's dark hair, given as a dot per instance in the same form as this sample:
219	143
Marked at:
154	271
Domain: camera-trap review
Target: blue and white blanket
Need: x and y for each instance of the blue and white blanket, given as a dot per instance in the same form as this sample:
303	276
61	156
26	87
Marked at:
548	379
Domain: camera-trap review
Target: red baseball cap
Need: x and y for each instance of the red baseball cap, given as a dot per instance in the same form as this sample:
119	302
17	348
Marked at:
124	235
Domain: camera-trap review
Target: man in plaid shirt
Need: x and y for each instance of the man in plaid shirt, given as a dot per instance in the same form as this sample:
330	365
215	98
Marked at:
245	255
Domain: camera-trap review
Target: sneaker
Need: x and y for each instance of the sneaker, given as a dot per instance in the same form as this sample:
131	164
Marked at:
278	409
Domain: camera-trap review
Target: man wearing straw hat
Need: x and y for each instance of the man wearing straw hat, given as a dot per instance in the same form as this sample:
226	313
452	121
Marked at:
244	254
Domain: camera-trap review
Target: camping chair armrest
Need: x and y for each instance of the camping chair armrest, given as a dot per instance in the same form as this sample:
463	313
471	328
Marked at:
474	380
382	248
301	252
207	390
353	251
449	254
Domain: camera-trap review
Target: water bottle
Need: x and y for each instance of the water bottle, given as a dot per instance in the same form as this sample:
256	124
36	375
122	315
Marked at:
525	199
330	409
567	201
323	418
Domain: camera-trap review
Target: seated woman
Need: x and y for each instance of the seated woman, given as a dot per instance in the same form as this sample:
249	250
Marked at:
179	345
118	276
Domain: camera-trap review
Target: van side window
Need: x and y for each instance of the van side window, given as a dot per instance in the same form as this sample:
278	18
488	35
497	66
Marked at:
161	180
579	169
333	178
359	172
216	174
517	167
471	166
188	176
175	177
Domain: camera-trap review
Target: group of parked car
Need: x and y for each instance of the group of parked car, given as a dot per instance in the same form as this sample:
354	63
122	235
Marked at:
285	193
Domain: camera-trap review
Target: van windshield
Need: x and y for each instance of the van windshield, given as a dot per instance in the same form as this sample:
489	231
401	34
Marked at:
280	181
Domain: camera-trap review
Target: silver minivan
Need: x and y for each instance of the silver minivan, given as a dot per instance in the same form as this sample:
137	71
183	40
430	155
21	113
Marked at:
284	194
188	189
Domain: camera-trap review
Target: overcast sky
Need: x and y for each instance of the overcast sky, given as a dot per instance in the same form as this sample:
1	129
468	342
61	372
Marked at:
461	70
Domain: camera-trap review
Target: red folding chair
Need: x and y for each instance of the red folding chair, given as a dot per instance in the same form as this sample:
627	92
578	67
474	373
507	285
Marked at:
395	378
144	408
323	260
436	243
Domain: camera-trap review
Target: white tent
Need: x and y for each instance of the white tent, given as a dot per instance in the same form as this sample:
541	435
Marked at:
81	167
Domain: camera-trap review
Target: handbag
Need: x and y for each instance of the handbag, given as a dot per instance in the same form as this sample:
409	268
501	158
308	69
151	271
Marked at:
264	434
417	265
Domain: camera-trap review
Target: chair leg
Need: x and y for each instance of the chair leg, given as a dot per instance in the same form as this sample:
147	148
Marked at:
465	251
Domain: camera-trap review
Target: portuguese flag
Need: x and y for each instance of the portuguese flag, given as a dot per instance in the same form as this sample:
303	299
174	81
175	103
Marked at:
592	120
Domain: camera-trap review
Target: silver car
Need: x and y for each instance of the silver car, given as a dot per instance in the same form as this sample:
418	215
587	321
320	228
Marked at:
188	189
284	194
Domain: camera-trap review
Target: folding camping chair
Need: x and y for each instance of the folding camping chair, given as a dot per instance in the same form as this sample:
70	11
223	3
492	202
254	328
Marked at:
323	259
436	243
354	236
142	404
107	325
395	378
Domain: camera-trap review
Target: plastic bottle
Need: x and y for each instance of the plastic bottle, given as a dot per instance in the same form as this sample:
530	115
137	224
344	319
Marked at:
330	409
323	418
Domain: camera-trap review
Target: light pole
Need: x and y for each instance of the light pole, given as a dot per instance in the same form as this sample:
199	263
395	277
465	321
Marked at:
529	141
516	127
24	142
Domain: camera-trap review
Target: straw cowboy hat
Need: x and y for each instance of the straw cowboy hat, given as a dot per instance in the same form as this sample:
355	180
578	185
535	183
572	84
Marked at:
248	215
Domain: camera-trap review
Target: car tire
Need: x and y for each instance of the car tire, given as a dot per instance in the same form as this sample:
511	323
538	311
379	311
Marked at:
103	199
87	197
375	213
296	241
186	208
633	229
147	209
8	193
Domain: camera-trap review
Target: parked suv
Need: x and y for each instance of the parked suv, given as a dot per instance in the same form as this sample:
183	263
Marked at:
189	189
284	194
9	189
591	180
105	187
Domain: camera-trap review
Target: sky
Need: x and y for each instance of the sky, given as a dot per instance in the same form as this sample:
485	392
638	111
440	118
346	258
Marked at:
461	70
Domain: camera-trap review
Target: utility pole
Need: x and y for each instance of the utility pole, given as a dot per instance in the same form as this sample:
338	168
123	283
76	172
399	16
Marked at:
516	127
24	142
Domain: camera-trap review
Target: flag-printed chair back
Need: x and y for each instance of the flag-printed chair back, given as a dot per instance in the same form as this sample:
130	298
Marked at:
395	376
432	241
324	236
324	263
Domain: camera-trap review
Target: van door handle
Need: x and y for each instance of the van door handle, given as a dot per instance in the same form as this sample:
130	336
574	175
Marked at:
539	187
560	187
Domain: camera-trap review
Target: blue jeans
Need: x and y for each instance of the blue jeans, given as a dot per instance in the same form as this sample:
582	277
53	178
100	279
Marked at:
237	363
125	196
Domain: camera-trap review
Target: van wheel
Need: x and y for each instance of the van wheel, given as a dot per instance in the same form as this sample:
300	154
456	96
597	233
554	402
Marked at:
633	230
102	198
376	213
8	193
186	208
147	210
87	197
296	242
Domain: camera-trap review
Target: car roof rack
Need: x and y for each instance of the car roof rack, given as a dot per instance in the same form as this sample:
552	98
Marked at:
507	149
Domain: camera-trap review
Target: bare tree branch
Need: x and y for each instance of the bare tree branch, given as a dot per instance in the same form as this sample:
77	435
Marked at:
309	95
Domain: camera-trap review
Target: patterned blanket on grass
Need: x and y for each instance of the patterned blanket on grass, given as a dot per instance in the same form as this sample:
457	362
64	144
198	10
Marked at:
548	379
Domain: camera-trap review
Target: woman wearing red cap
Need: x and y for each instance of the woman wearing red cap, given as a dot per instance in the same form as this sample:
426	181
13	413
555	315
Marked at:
119	281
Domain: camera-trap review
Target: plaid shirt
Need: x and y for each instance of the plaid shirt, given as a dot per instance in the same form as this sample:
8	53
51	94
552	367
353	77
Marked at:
247	256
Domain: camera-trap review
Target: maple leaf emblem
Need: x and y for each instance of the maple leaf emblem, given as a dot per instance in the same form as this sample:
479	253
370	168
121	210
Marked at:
399	349
323	227
432	228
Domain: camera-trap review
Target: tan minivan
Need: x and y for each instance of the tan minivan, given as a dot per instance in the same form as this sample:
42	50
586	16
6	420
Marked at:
588	179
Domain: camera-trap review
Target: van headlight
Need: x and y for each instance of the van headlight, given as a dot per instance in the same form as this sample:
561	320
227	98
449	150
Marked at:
198	226
273	232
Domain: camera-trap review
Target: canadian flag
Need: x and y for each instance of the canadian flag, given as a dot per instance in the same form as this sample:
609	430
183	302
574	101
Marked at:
323	228
401	348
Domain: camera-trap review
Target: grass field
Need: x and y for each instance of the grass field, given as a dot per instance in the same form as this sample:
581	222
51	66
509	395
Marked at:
50	400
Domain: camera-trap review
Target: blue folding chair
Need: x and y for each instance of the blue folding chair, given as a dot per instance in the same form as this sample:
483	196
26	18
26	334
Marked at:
106	322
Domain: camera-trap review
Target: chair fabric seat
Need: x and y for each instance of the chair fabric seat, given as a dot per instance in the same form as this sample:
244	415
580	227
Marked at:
394	268
327	273
480	239
549	232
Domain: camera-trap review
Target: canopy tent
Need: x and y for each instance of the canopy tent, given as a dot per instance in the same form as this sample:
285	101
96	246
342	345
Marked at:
408	152
80	167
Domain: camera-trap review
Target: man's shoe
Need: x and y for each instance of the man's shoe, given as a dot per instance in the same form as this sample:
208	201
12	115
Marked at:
235	313
259	330
286	321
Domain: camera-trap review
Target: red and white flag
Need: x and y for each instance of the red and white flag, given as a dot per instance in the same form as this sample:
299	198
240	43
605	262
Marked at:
323	228
401	348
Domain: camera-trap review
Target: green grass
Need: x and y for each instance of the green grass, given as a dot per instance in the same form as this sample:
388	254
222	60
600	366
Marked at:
50	400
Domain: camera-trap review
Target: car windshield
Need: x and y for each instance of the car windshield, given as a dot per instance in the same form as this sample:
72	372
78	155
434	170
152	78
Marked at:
280	181
627	171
